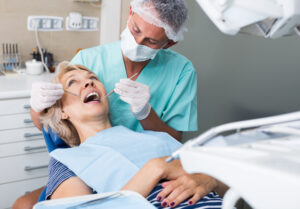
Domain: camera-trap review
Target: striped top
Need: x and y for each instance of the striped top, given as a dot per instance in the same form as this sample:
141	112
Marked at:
59	173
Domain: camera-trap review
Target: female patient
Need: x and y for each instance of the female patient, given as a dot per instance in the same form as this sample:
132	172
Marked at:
105	158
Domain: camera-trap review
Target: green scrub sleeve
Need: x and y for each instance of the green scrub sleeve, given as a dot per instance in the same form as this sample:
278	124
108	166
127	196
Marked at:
77	59
181	111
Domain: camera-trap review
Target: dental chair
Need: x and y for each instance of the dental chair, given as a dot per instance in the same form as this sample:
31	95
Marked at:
52	142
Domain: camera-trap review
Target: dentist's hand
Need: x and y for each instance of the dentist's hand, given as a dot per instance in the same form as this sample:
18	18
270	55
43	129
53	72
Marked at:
137	95
44	95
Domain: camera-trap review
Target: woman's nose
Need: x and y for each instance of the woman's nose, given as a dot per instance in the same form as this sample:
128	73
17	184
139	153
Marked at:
89	83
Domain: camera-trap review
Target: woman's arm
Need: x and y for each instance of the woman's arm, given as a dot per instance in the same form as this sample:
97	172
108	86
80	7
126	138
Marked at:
146	179
180	187
73	186
151	173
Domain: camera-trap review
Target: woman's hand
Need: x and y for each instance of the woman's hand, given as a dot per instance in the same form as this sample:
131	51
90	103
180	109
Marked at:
193	186
151	173
169	171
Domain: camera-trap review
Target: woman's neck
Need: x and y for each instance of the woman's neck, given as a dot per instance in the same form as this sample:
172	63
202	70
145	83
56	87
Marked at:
91	128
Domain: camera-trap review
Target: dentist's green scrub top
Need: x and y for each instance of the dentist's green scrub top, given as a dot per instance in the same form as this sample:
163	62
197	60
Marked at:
171	77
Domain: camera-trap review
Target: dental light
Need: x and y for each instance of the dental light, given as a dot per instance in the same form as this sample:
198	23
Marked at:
267	18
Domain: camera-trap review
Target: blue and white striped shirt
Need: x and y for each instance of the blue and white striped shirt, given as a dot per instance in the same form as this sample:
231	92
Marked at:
59	173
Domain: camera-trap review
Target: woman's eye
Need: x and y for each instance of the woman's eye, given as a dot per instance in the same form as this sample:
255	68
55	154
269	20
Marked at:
93	78
71	82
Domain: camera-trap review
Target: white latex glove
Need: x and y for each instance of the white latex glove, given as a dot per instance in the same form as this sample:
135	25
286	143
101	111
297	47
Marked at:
44	95
137	95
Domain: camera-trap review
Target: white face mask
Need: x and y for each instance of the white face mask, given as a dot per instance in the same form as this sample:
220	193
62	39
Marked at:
134	51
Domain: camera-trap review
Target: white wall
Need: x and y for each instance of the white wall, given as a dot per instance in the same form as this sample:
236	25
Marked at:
240	77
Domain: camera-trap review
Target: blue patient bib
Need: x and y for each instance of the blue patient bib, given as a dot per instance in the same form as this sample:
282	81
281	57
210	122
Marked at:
108	160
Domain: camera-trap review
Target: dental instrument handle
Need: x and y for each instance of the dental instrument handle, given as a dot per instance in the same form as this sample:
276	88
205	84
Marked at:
131	77
235	126
71	93
108	94
112	91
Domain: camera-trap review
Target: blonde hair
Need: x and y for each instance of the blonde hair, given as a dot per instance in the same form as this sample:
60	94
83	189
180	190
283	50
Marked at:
51	118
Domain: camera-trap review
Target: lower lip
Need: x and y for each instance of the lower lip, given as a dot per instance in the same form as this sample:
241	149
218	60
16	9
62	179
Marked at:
93	102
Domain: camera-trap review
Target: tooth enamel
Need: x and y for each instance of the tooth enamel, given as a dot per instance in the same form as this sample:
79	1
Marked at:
92	93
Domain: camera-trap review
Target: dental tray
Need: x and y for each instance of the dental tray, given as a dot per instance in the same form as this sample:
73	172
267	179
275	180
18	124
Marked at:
120	200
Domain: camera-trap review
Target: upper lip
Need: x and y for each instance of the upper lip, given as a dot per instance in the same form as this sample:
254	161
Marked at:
89	92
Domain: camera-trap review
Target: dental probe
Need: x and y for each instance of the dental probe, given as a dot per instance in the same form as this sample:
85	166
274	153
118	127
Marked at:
112	91
71	93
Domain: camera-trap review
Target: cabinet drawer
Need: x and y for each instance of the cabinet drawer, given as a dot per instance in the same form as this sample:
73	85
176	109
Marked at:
15	121
22	134
14	106
24	167
20	148
10	192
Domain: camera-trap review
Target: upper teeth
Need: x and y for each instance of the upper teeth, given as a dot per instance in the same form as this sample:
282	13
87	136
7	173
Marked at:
92	94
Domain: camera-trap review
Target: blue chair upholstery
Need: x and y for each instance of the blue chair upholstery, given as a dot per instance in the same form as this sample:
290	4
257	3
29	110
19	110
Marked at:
42	195
53	142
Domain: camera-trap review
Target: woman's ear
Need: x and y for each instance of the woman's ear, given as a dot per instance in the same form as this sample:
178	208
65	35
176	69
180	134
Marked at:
64	115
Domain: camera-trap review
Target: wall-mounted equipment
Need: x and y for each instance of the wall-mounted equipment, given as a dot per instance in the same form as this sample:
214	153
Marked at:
76	22
45	23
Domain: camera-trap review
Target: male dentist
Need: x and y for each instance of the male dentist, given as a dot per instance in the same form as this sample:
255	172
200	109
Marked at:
162	96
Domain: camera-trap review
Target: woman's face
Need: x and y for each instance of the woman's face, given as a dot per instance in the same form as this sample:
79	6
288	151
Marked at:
87	105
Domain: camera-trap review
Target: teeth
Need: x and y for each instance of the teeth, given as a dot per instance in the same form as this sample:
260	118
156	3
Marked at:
92	94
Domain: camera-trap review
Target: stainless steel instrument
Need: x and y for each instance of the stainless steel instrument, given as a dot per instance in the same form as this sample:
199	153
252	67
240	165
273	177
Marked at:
10	56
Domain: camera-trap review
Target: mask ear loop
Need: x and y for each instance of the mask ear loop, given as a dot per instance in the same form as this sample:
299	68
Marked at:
130	18
165	44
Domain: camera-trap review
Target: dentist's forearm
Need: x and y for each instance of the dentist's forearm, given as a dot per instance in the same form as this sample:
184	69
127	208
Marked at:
221	189
154	123
35	116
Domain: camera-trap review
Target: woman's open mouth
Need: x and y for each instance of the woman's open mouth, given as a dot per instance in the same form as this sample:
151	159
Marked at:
92	97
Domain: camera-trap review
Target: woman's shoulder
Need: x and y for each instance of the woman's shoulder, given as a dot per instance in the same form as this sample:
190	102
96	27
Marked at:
58	173
57	168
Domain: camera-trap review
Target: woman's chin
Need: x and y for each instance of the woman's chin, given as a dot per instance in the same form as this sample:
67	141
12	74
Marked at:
97	110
